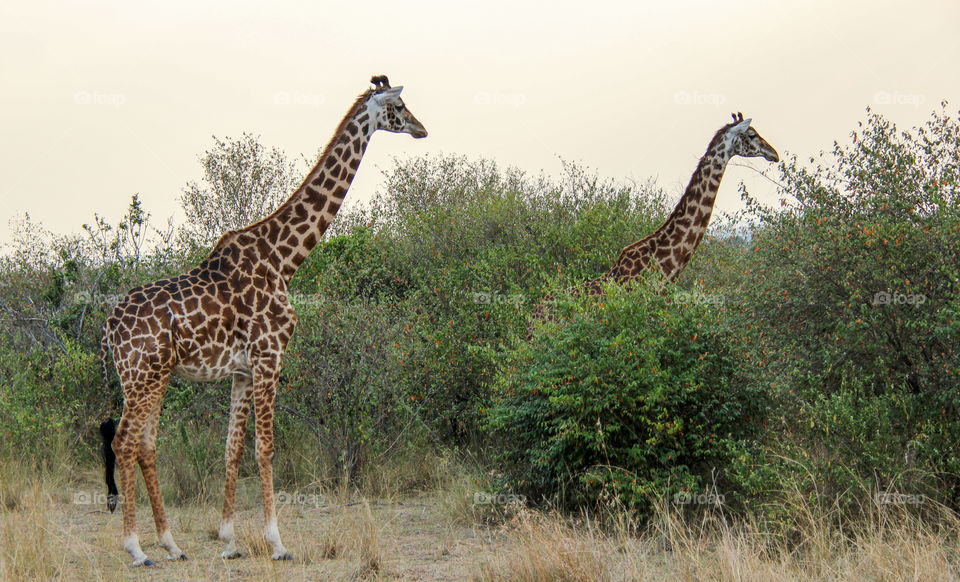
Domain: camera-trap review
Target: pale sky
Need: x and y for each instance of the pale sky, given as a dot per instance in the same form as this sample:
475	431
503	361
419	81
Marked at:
101	100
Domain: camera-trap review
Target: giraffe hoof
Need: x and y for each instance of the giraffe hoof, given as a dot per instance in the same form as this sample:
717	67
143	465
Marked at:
146	563
283	556
231	555
179	558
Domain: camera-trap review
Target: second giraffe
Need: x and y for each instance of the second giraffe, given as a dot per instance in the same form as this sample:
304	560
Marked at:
671	246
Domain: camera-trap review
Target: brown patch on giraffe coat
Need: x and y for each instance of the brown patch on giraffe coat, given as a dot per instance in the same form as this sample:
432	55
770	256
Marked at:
263	248
299	213
317	200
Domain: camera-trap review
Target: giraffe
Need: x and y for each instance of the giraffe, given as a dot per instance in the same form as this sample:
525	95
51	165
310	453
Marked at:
670	247
229	316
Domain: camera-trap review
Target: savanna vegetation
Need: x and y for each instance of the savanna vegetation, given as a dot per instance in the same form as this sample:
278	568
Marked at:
790	406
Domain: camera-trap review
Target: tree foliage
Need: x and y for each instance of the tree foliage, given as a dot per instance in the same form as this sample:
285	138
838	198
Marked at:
242	182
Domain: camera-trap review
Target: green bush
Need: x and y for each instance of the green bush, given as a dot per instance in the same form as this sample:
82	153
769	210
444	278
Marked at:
641	395
340	383
853	301
463	250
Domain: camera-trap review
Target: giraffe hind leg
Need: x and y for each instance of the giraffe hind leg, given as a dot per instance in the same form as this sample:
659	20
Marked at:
264	396
142	399
147	460
125	445
240	397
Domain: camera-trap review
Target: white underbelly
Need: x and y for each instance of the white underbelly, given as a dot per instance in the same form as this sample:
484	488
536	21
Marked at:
203	371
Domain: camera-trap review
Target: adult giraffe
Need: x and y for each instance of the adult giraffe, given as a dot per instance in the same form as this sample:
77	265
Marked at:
229	317
670	247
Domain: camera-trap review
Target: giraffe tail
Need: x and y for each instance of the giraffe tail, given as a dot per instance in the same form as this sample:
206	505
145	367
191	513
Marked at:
108	428
104	354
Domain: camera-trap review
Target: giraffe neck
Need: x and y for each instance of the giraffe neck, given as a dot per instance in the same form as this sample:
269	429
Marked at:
287	236
683	230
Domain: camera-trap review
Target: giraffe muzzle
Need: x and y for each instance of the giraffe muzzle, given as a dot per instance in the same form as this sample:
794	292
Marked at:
771	154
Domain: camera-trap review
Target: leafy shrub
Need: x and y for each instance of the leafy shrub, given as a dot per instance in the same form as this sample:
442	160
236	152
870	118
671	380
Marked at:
341	382
853	297
464	250
638	396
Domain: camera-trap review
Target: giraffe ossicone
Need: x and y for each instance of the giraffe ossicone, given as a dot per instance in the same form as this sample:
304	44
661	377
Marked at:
229	317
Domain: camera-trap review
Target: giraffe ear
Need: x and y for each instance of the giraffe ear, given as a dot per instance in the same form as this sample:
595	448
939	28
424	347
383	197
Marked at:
387	96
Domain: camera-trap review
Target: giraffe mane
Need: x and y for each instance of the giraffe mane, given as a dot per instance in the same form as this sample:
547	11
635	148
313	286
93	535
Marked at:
327	151
704	160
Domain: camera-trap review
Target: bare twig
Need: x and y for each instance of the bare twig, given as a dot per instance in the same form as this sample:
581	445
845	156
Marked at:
311	423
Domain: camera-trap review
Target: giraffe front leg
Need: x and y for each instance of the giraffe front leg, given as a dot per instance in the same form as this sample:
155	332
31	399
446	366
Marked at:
264	401
240	396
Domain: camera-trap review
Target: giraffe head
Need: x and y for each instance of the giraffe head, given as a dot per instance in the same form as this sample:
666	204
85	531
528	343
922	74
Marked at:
389	111
747	142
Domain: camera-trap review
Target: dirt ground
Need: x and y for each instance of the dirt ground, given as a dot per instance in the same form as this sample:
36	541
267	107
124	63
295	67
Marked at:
413	539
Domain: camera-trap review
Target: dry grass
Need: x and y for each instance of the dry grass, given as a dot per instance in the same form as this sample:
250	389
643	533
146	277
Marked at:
437	534
892	543
545	548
